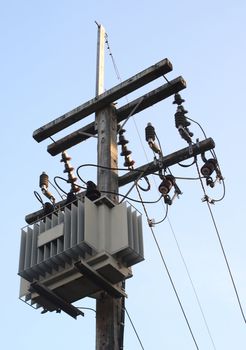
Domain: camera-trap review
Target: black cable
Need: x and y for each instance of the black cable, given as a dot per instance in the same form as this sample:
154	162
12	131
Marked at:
204	134
55	188
63	179
222	248
38	197
223	195
81	166
148	185
127	169
107	168
134	328
133	199
187	165
86	308
192	284
169	275
112	58
166	213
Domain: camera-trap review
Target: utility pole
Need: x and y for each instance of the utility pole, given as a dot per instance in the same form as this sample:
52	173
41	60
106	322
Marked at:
110	293
108	308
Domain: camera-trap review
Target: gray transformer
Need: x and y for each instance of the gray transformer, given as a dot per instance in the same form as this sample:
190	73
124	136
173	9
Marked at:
78	251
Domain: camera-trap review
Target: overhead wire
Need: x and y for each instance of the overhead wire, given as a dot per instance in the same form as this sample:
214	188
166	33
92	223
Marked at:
133	199
162	220
56	189
222	249
168	273
178	246
38	197
174	237
134	328
192	284
127	169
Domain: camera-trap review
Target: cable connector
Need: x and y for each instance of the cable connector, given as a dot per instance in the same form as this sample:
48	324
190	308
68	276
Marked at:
206	198
151	222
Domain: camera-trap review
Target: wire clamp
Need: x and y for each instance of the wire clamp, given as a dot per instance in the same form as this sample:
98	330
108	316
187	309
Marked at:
208	199
151	222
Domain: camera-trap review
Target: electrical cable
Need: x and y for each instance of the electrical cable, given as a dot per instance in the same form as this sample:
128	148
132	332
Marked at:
186	267
133	170
169	275
131	188
176	177
133	199
62	178
112	58
187	165
134	328
192	284
179	249
55	188
159	222
148	185
222	248
38	197
86	308
132	111
204	134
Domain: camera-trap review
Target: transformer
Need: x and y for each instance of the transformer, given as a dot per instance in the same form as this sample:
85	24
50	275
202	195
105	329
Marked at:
78	251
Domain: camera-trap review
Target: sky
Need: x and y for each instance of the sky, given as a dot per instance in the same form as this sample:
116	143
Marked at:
48	64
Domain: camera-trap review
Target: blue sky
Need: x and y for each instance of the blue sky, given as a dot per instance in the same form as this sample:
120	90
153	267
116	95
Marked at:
48	59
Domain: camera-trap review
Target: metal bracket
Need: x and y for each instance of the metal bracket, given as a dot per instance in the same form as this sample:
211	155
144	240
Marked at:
54	299
99	280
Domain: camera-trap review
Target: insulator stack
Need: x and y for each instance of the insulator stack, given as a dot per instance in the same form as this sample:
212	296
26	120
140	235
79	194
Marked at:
125	152
44	184
150	138
43	180
149	132
181	121
178	100
209	167
69	170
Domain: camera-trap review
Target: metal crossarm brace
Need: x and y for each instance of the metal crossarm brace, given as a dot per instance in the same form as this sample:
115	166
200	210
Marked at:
54	299
99	280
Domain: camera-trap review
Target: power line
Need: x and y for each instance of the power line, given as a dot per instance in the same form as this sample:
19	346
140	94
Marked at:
168	273
222	248
134	328
166	216
192	284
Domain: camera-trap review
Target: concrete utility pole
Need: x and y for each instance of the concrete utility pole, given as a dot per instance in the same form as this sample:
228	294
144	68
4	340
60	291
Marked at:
108	308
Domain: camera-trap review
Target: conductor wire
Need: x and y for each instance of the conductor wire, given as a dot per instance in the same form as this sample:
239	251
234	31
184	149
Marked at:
168	273
134	328
222	248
